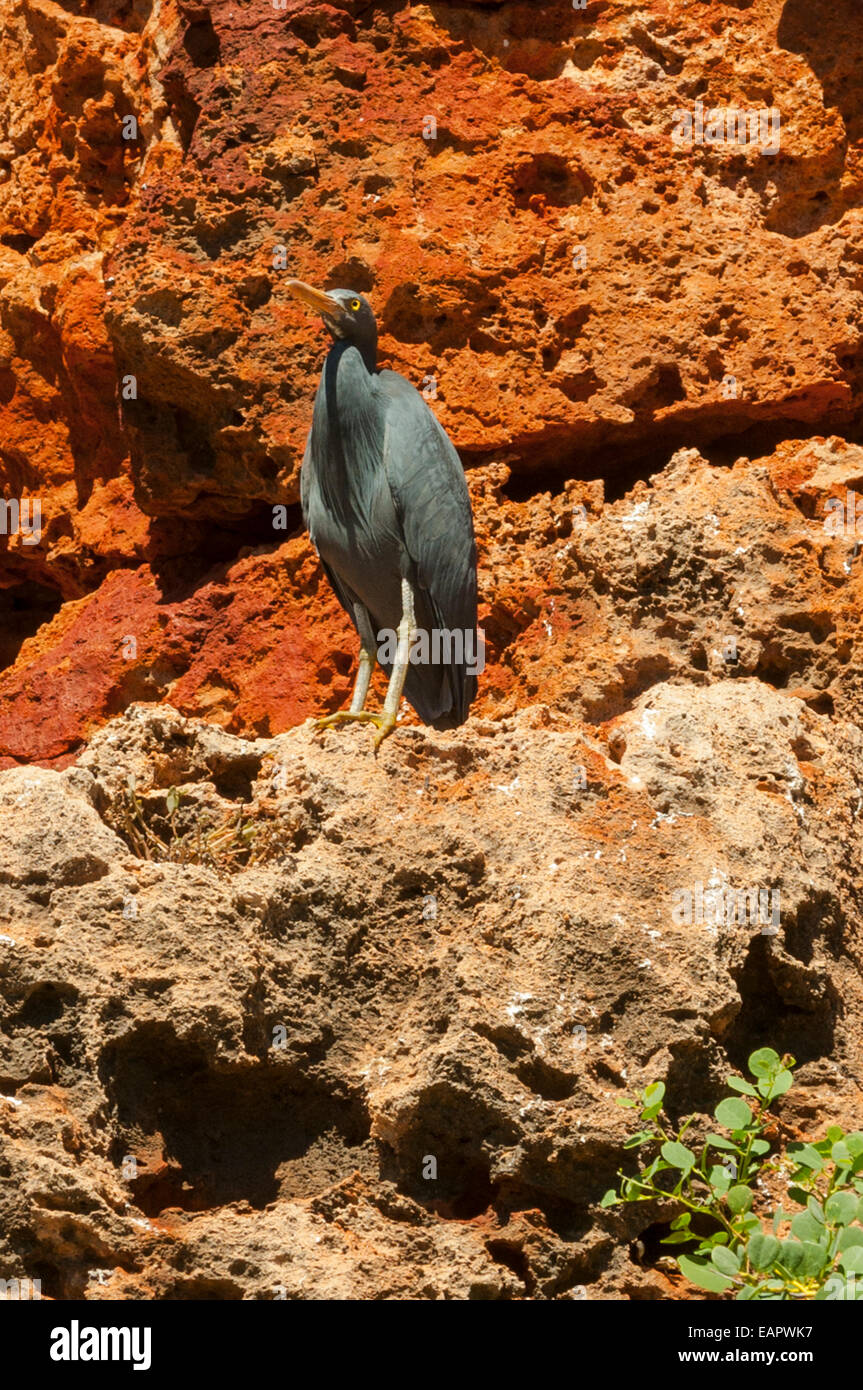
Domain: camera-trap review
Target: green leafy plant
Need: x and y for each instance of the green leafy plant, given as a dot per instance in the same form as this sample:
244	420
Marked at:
737	1246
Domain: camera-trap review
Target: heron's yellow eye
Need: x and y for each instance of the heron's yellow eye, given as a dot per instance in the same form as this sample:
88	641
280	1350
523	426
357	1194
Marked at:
355	304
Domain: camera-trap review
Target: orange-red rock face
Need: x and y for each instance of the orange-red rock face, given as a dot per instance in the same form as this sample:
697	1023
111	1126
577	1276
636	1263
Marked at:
579	294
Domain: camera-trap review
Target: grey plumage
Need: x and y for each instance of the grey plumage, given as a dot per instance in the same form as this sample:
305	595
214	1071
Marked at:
384	499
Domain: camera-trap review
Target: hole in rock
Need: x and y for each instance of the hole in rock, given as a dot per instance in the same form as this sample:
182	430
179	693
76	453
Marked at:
53	1282
544	1080
553	178
767	1018
18	241
833	50
462	1189
45	1004
255	291
692	1080
351	274
183	107
514	1258
233	780
217	545
538	42
637	462
818	919
222	1135
23	610
647	1247
201	42
223	234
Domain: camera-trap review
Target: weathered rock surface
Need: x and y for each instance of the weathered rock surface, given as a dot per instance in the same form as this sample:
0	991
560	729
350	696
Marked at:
282	1020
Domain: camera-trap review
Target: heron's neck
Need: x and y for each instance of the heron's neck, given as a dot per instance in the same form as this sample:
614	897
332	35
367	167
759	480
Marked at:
368	351
347	429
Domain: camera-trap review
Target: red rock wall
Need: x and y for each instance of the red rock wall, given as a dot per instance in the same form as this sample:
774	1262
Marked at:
578	285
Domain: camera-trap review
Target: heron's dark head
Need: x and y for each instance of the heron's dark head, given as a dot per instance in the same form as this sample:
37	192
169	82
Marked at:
346	314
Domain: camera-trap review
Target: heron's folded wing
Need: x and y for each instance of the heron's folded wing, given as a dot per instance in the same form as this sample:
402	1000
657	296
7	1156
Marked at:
428	486
344	595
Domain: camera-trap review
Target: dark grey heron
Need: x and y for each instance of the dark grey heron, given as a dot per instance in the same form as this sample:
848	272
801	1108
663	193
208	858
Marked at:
387	508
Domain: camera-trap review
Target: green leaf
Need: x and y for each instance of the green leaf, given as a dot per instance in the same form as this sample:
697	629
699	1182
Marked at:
814	1207
636	1140
805	1156
849	1237
776	1085
799	1194
738	1084
657	1166
720	1179
626	1102
817	1258
678	1156
725	1260
791	1254
718	1142
654	1094
610	1199
733	1113
760	1146
739	1198
841	1208
851	1260
841	1154
762	1250
855	1142
703	1275
680	1222
678	1238
748	1291
803	1258
763	1062
806	1227
834	1134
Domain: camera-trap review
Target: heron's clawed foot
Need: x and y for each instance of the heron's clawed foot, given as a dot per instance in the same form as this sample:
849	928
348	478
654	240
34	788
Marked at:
343	716
385	722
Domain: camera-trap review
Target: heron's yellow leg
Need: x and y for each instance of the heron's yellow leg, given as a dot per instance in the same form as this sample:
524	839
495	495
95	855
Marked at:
386	720
364	675
400	667
361	690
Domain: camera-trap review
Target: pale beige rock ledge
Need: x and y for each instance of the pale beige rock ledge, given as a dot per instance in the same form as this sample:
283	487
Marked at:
228	1077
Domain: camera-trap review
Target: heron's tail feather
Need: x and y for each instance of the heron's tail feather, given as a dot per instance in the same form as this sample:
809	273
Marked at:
441	696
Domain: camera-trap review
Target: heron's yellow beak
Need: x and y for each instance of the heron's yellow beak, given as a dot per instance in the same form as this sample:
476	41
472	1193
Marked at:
319	300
